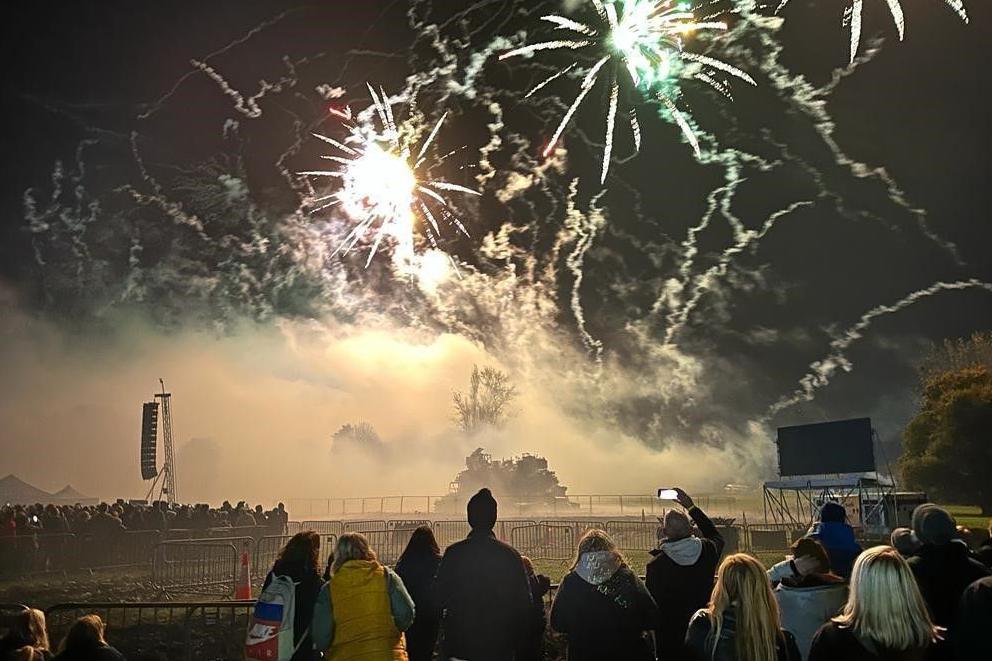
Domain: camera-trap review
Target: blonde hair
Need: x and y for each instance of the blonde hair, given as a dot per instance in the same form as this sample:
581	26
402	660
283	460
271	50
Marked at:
885	605
30	624
84	633
596	540
351	546
741	581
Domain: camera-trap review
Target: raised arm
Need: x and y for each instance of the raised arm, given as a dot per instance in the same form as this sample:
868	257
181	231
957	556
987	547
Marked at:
706	527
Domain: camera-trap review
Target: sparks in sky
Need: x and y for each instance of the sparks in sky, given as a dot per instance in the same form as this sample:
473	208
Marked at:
640	42
383	187
853	16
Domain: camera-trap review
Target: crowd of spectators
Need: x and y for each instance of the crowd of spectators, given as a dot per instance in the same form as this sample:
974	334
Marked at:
927	597
108	519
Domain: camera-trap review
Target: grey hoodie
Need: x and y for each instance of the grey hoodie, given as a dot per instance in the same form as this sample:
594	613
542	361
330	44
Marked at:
683	552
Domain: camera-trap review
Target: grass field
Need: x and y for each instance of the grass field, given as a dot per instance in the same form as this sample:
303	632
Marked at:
969	516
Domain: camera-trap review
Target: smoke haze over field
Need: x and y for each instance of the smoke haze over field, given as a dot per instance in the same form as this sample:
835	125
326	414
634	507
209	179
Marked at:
153	226
255	410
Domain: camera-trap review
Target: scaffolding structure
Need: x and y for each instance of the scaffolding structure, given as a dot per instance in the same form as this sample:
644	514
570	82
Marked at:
165	481
796	501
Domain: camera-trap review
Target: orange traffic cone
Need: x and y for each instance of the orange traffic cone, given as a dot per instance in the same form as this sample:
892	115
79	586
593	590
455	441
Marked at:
242	587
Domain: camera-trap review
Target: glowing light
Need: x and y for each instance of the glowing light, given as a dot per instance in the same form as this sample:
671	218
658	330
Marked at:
384	188
645	40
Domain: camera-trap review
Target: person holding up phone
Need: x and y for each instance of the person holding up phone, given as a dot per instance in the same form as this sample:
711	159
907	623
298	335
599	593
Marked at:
680	577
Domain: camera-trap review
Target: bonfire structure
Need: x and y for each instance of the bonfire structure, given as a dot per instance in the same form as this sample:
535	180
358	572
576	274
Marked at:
521	484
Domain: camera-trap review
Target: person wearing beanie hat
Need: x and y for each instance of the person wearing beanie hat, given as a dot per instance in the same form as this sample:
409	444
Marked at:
837	537
943	567
483	591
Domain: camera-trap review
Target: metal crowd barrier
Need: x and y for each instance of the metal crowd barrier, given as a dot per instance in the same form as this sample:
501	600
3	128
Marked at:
267	550
448	532
323	527
633	535
504	528
544	542
364	526
175	630
202	566
388	544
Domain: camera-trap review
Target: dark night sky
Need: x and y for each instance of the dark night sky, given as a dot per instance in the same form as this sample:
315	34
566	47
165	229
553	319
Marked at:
86	70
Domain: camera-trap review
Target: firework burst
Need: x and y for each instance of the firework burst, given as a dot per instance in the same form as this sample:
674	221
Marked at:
384	187
640	42
853	18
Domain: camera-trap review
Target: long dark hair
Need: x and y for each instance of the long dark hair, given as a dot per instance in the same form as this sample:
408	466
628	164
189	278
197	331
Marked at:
422	544
302	549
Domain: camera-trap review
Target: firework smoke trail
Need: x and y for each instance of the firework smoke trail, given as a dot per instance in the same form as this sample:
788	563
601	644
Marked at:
584	228
643	40
381	180
707	280
821	371
855	13
812	102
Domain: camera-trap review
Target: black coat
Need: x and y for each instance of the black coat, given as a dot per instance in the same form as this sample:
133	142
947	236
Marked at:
699	646
680	590
970	636
836	643
417	573
605	621
309	584
531	647
943	572
484	597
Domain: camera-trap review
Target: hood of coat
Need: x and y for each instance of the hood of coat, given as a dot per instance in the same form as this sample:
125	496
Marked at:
685	551
358	572
597	567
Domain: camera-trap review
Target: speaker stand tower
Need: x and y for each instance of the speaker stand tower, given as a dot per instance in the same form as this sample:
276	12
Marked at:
165	481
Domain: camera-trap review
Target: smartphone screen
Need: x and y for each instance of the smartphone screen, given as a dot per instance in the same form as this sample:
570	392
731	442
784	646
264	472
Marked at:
667	494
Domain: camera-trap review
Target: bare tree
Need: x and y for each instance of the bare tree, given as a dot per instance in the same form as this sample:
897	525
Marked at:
487	402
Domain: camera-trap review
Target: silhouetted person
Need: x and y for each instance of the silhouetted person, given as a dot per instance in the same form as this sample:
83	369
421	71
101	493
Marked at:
943	565
904	541
482	591
531	646
680	576
971	639
837	537
602	607
299	561
27	631
417	567
85	642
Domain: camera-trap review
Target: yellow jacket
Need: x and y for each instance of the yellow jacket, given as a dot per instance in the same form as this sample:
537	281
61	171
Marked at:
363	625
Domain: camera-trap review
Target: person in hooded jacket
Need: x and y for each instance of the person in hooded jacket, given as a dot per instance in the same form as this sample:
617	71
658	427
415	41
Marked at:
362	612
741	621
837	537
602	607
482	590
807	600
884	619
680	576
417	567
299	561
943	565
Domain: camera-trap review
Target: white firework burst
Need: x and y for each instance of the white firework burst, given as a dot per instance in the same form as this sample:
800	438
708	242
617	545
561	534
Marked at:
383	187
641	42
